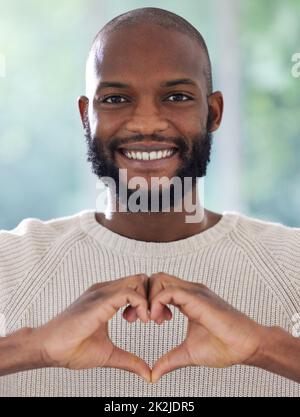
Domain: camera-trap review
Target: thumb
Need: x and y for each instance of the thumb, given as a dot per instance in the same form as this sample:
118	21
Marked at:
176	358
122	359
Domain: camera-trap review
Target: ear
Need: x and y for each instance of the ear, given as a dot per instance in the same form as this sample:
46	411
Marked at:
215	106
83	105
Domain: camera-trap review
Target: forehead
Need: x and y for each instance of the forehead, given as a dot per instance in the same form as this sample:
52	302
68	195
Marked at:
148	53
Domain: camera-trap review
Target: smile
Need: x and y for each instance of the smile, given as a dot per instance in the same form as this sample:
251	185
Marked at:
149	156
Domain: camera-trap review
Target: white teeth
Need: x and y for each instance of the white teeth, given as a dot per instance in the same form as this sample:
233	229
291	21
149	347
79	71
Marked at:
146	156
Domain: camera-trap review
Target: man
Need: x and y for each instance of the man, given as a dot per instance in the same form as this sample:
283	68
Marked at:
143	302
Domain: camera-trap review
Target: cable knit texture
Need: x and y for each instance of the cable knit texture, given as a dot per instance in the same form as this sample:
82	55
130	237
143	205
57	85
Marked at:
45	265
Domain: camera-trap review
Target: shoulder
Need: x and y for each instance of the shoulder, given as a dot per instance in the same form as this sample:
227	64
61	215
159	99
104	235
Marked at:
24	246
35	234
278	241
273	234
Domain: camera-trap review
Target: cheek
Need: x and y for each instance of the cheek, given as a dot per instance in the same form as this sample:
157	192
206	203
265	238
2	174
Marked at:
190	122
94	120
198	121
106	124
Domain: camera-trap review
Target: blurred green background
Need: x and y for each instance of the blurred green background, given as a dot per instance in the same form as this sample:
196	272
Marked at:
43	48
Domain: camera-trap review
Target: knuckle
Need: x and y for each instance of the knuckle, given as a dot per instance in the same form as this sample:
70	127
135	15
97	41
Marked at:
137	277
131	292
170	289
134	280
93	287
204	287
141	276
139	280
157	275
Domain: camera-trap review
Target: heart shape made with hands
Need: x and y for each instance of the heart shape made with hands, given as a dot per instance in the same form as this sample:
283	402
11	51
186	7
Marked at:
217	335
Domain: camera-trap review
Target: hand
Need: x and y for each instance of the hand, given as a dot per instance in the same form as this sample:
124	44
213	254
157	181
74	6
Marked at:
217	335
78	338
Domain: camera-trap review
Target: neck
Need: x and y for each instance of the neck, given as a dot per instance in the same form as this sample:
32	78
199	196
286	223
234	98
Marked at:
159	226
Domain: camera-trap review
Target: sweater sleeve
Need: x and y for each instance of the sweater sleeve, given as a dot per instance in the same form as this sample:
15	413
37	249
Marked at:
20	249
284	244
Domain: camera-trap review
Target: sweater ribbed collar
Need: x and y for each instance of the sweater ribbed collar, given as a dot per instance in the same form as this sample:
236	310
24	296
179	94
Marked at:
122	244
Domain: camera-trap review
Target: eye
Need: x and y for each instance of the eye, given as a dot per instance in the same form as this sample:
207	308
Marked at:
179	96
113	100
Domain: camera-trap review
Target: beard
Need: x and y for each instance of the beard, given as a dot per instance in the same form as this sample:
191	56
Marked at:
194	163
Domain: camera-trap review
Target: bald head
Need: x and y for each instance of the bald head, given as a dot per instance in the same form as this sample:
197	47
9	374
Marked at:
154	16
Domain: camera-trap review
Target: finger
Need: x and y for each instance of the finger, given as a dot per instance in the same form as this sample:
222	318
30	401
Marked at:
167	280
97	286
134	281
129	280
129	296
187	302
174	359
130	314
140	284
155	286
122	359
137	282
166	314
161	280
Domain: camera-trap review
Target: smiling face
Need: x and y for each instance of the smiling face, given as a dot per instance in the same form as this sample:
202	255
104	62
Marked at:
147	108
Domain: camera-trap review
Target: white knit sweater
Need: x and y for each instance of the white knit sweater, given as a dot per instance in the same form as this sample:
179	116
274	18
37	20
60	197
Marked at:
45	265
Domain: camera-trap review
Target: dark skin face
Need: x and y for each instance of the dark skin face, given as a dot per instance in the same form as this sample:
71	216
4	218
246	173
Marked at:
145	58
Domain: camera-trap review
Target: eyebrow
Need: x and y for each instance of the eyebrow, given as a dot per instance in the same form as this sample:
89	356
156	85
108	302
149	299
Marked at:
113	84
171	83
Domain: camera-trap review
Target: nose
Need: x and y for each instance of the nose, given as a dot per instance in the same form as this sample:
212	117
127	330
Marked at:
146	119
